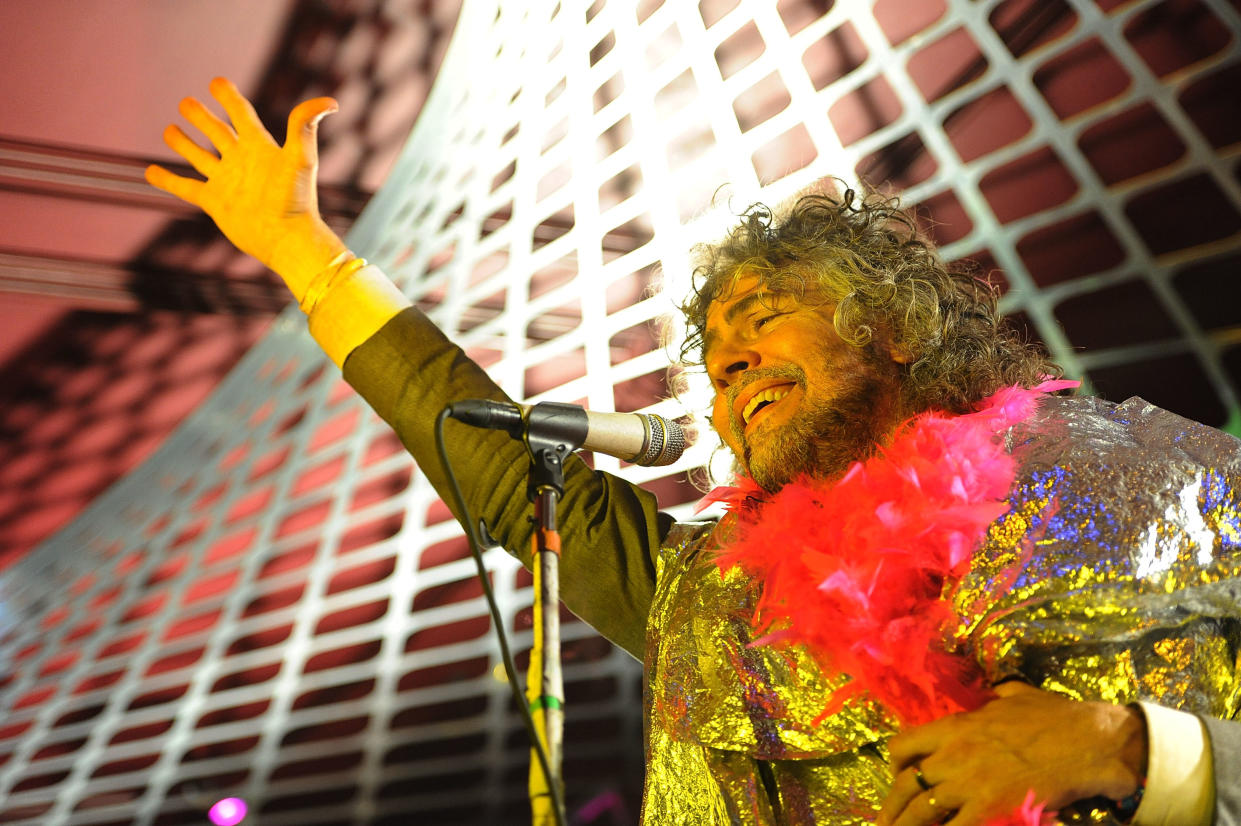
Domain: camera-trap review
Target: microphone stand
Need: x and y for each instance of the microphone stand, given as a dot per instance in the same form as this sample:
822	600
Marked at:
544	680
550	432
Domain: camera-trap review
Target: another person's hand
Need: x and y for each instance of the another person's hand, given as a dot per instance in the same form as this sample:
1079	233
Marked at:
260	194
970	768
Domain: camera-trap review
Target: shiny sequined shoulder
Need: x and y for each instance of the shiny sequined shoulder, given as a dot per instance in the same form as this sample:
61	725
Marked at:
1119	559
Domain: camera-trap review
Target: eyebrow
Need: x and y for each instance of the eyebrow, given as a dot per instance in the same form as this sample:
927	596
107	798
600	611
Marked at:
743	306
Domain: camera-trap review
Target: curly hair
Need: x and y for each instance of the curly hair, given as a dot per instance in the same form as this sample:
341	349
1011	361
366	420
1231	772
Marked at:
864	254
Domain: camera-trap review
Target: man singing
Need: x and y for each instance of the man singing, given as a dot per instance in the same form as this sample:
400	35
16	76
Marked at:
1107	575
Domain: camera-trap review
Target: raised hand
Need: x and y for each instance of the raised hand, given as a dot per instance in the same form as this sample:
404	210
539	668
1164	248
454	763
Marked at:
260	194
974	767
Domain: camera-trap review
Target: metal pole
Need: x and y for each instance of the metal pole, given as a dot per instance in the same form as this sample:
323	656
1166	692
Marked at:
544	680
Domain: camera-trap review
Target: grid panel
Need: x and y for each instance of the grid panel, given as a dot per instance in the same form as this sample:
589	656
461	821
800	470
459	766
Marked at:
278	606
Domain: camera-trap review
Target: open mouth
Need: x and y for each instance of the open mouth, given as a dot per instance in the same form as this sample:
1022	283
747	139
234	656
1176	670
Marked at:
762	400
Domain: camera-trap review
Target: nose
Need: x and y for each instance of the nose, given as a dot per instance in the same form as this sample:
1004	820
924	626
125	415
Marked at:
728	361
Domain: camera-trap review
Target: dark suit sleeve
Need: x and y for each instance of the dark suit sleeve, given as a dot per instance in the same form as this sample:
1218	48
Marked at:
610	529
1226	755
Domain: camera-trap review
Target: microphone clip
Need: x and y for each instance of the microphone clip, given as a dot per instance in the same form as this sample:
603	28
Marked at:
552	431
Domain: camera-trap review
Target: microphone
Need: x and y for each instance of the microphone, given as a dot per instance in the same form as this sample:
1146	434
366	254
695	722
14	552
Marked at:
644	439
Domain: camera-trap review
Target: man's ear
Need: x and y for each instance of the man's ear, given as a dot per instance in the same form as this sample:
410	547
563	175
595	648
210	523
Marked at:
899	353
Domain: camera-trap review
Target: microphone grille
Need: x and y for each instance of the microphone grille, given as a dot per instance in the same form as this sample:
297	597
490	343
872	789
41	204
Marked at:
665	442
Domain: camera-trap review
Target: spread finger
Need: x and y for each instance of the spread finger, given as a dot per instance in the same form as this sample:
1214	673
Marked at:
186	189
220	134
199	158
239	109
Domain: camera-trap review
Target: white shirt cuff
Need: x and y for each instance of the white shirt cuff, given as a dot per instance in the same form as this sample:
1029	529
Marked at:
1180	781
353	310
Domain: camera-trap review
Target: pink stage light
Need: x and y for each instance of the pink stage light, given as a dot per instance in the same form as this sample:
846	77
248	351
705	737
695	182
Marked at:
227	812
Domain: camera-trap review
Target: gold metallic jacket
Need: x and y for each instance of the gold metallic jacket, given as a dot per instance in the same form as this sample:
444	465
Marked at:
1132	593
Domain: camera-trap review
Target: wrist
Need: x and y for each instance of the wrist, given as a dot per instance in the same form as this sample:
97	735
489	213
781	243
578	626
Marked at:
1114	780
1135	742
305	252
1123	735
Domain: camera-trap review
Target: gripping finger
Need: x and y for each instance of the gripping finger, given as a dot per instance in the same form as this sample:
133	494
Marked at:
199	158
913	745
220	134
239	109
1014	688
905	788
930	808
187	189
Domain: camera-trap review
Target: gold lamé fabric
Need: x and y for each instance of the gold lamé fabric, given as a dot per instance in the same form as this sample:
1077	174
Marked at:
1118	570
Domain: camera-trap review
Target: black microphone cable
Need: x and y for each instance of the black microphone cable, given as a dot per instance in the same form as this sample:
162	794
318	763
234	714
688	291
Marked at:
510	669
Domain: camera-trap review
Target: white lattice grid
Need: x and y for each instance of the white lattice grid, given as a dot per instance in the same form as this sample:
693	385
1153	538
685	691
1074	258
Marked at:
283	502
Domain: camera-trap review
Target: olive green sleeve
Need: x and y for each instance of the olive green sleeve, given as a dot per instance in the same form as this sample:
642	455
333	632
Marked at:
610	529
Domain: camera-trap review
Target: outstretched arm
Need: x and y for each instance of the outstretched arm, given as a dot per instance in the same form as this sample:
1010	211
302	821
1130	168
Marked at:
260	194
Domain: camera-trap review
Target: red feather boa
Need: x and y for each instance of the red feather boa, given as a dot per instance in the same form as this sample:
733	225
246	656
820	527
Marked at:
861	569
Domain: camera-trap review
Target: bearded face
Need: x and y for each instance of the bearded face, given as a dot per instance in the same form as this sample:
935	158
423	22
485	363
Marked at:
791	396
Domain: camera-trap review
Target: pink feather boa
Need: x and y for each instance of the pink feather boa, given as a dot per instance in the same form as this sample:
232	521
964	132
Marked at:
861	569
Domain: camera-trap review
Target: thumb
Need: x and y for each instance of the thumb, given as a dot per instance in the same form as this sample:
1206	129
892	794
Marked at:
303	129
